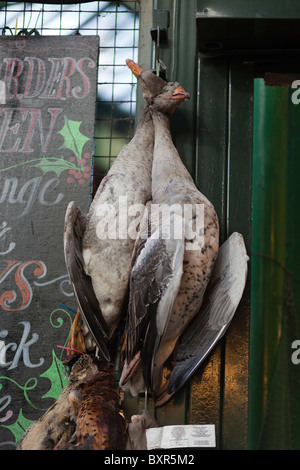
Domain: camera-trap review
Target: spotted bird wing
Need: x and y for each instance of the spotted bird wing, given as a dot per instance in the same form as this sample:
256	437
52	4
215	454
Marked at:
221	300
154	283
81	283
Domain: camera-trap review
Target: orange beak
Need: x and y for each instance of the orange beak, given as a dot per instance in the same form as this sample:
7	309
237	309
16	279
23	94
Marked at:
135	68
180	94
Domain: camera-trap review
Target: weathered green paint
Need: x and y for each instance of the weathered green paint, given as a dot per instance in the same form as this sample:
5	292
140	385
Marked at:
274	395
269	200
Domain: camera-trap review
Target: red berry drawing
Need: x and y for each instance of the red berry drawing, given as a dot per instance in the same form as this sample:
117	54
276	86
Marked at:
70	180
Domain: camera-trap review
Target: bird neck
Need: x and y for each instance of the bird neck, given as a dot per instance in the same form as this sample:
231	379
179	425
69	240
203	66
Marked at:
161	122
167	166
144	129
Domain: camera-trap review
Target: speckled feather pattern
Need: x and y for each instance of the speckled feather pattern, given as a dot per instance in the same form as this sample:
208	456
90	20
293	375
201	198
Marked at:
99	421
171	178
172	184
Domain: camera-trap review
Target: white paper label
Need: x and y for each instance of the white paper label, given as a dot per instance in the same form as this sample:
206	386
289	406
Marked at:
189	435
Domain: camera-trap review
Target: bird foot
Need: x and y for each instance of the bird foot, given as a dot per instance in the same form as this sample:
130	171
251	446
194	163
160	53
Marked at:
131	368
162	396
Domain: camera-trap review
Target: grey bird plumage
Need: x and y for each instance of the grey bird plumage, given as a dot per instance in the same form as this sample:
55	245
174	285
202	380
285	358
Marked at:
174	288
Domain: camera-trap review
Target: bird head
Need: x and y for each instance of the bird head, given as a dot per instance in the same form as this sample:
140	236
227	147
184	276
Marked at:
151	84
180	94
164	96
170	98
83	368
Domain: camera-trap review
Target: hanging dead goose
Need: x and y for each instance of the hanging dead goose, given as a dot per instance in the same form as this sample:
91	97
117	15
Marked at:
170	274
98	253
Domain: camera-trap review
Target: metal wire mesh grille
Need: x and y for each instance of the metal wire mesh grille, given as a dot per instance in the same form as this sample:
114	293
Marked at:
117	24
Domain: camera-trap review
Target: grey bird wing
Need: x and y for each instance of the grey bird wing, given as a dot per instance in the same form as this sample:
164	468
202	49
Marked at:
221	300
154	283
81	282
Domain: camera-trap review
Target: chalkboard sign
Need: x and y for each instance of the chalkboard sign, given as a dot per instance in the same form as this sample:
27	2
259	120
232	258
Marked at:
47	113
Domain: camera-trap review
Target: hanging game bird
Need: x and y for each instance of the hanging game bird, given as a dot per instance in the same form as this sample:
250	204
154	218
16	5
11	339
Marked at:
99	268
85	415
181	299
99	422
170	275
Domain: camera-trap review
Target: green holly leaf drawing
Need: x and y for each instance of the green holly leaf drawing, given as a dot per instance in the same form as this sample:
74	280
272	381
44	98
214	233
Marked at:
74	140
57	375
19	426
54	164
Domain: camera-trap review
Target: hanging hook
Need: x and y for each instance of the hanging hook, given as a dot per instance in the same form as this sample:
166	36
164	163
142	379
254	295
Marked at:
158	34
157	52
146	399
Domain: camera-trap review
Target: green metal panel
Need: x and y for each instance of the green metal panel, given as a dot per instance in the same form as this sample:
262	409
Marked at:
269	197
274	394
292	260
